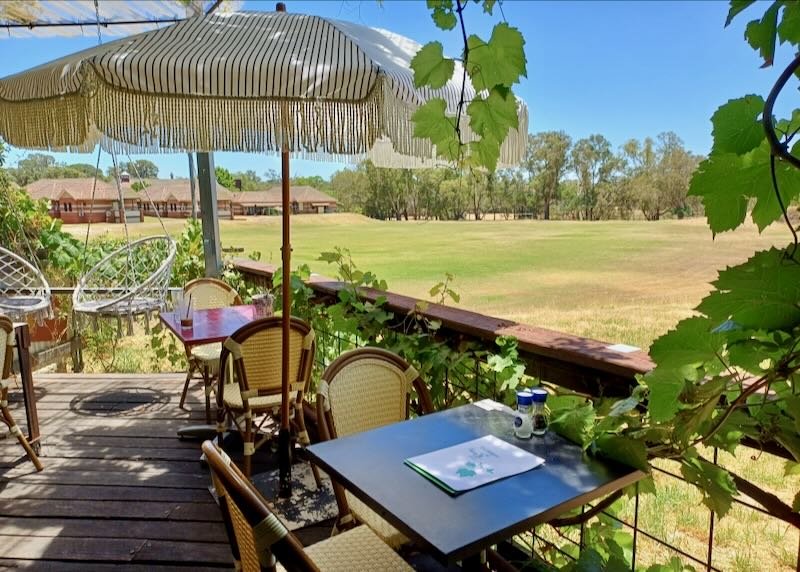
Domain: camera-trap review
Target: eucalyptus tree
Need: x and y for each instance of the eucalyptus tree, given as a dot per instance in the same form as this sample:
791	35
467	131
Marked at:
547	161
595	164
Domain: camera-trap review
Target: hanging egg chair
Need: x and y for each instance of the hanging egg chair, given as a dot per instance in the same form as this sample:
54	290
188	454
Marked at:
131	281
24	290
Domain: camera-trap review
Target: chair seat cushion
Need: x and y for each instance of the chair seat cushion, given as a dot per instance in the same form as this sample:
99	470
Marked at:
207	353
356	550
389	534
232	397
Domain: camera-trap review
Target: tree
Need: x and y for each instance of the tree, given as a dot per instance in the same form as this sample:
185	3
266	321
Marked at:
351	189
658	175
138	169
546	161
224	178
595	164
32	168
313	181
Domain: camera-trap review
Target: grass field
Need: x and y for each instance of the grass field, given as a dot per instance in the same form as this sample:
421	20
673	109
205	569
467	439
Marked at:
621	281
617	281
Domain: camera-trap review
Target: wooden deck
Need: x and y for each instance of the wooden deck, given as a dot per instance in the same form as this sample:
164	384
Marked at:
119	489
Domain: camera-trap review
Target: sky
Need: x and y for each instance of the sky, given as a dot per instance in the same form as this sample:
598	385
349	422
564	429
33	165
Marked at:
626	69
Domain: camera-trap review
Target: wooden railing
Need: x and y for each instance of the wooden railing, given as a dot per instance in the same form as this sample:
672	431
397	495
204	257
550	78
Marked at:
581	364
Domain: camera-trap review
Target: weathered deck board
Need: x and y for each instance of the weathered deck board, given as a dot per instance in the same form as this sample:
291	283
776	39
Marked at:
119	489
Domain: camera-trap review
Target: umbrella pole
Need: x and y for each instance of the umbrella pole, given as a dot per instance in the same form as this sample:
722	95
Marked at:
284	443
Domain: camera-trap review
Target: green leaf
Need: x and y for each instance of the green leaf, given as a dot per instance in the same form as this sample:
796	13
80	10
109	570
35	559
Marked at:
724	199
737	128
665	389
789	28
767	208
501	61
714	482
575	424
494	116
430	66
485	153
488	6
431	123
692	341
762	293
625	450
443	15
761	34
736	7
791	469
796	503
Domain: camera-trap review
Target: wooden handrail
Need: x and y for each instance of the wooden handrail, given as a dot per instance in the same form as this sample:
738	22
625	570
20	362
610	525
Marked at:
575	362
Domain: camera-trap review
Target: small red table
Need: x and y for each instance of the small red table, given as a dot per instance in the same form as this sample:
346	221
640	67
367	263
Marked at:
208	327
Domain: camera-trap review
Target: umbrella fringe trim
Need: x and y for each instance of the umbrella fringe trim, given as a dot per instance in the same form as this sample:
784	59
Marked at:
378	127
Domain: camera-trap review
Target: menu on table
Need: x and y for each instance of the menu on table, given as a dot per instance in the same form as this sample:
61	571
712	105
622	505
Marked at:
472	464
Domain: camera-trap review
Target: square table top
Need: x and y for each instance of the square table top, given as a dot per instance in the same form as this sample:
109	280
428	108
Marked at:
209	326
452	528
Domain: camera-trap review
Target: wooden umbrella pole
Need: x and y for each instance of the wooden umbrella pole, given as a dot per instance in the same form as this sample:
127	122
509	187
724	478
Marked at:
284	443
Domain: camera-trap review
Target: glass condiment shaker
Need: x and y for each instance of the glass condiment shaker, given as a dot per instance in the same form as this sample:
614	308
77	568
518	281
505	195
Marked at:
538	412
523	428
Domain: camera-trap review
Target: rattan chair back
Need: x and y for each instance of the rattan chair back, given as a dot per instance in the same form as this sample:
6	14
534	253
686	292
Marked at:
254	532
210	293
367	388
259	344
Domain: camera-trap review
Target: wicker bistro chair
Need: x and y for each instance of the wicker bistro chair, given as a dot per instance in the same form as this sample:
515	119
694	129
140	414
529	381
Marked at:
207	294
260	541
6	348
250	387
364	389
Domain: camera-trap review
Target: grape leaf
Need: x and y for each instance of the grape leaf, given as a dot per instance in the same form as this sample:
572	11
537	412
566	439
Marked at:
716	180
501	61
762	293
431	123
575	424
690	342
442	14
761	34
789	28
485	153
791	468
715	483
736	125
494	115
430	66
625	450
488	6
665	389
736	7
758	174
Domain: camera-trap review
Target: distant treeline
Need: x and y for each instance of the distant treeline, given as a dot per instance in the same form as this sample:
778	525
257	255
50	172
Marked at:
559	178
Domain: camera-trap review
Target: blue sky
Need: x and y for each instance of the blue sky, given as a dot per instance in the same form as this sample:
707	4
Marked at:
623	69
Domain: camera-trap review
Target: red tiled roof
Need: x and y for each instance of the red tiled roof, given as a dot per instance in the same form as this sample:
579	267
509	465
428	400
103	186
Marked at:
272	197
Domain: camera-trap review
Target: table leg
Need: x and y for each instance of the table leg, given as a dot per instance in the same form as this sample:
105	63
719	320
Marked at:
23	340
476	563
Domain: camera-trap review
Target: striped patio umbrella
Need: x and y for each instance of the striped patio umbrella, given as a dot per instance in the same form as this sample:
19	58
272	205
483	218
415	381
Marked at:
294	84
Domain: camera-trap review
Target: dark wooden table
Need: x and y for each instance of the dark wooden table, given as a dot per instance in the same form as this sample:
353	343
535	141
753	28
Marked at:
453	529
208	327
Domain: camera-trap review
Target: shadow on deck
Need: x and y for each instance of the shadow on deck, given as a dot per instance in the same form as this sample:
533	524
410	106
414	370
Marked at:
119	488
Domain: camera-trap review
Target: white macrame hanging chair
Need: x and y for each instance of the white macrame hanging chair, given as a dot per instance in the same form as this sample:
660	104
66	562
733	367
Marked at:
24	290
133	280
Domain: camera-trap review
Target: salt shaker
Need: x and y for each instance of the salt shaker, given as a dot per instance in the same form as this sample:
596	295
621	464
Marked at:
523	427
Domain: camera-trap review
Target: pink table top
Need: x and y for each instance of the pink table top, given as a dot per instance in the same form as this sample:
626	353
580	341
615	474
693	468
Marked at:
210	326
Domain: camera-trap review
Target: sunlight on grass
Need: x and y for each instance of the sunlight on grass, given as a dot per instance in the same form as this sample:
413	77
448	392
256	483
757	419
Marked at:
621	281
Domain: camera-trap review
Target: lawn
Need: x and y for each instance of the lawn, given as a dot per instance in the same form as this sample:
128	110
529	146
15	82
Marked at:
620	281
